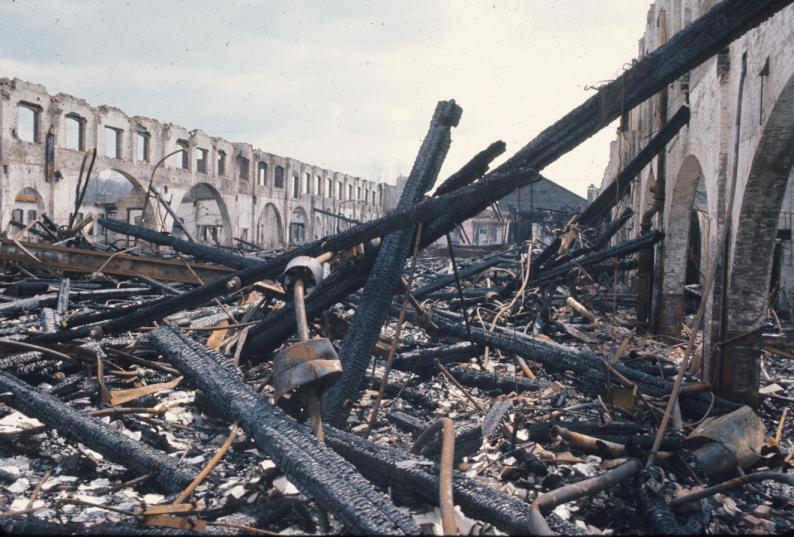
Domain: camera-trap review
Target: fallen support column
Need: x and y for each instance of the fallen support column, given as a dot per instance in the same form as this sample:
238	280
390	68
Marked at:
356	350
77	427
309	464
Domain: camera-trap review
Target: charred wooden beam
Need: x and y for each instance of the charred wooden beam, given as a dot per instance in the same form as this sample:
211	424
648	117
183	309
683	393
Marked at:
308	463
448	279
30	525
211	254
421	361
384	277
621	250
658	516
99	436
619	186
472	170
17	307
485	380
159	286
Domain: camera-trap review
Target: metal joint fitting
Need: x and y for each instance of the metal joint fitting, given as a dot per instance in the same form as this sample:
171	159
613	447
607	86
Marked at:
304	268
311	364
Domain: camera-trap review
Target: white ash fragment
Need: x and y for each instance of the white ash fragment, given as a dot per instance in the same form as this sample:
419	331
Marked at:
284	486
19	486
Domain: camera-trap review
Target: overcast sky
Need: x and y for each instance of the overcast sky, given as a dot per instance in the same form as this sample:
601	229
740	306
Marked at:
349	86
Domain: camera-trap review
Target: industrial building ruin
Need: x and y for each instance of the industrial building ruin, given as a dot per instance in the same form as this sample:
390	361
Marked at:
198	337
221	190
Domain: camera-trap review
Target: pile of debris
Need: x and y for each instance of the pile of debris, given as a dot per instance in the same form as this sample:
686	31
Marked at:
360	384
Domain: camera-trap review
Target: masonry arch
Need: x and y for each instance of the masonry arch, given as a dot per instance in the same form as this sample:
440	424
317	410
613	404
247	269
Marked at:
204	213
682	244
270	230
112	193
28	206
298	222
736	373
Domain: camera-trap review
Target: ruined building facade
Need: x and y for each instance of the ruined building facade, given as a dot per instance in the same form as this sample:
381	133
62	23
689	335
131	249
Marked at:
741	133
221	190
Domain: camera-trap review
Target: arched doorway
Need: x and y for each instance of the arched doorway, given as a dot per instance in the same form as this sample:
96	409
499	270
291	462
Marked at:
270	231
204	213
682	244
28	207
297	226
736	370
112	194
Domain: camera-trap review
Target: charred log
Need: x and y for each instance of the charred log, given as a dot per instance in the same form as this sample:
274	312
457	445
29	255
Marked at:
385	274
309	464
93	433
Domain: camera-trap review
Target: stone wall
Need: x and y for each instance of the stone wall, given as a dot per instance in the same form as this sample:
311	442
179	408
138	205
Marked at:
238	178
705	157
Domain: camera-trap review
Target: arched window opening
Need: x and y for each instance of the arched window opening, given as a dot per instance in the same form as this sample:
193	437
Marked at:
113	137
279	179
28	122
296	186
142	145
74	130
261	174
184	156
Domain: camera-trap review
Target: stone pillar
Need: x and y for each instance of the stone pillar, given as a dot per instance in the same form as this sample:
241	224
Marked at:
671	314
738	377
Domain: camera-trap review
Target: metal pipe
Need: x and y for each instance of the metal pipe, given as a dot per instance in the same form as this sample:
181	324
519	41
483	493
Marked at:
300	310
741	480
583	441
447	428
548	501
